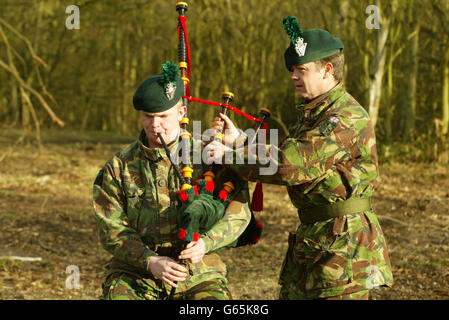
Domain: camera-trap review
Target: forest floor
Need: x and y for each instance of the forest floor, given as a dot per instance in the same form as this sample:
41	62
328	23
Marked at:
46	212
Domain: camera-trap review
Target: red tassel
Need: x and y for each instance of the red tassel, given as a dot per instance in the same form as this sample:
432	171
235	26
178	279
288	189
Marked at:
259	224
195	189
210	185
256	239
257	202
182	234
223	195
183	196
195	236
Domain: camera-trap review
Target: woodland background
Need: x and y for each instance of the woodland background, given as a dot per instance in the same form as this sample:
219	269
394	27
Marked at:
53	77
66	108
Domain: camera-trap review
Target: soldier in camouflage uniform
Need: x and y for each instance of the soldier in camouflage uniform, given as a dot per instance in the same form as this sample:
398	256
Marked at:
136	205
329	164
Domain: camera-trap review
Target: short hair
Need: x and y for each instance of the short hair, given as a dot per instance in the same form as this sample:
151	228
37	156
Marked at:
338	62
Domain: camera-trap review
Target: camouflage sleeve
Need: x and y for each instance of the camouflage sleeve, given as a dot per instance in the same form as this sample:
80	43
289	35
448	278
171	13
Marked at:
297	160
115	233
233	223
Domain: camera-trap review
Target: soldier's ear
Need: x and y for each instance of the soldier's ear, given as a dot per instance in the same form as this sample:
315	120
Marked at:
181	112
328	70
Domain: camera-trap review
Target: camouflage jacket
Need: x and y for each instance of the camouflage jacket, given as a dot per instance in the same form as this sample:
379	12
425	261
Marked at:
329	156
136	204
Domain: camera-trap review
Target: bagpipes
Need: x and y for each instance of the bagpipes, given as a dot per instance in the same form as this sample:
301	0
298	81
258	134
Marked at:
201	206
187	222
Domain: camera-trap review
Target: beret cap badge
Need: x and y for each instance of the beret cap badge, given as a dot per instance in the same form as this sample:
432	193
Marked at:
295	33
300	47
170	90
169	78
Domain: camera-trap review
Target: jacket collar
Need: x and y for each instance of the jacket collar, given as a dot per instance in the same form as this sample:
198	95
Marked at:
313	108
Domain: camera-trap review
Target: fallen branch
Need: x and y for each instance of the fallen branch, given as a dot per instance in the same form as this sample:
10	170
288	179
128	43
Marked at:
393	219
21	258
27	42
27	102
43	246
10	67
34	92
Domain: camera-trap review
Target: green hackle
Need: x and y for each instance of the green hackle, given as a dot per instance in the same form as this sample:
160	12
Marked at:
169	73
292	27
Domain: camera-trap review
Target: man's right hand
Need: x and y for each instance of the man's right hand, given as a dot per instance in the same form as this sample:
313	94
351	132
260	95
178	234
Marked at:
231	133
167	270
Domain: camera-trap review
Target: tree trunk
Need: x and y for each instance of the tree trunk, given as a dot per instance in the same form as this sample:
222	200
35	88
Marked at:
389	111
14	102
445	97
121	121
375	88
409	108
25	114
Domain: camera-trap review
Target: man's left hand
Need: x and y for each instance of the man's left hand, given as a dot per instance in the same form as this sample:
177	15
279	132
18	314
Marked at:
194	251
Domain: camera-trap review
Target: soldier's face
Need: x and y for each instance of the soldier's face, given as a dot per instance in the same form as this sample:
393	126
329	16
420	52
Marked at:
166	123
310	81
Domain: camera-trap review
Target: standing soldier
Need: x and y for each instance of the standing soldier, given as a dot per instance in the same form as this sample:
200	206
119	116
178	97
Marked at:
136	209
329	164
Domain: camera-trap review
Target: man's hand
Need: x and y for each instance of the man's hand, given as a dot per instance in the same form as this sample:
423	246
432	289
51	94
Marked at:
194	251
167	270
231	133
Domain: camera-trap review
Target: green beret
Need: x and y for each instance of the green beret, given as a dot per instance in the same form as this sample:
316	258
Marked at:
308	46
161	91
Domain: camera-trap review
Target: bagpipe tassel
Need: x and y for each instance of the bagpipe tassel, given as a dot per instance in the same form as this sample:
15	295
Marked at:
257	200
257	206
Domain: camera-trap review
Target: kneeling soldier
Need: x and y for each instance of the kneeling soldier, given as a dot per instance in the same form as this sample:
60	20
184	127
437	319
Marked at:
136	208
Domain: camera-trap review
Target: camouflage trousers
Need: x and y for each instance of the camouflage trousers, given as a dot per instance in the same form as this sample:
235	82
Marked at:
359	295
128	287
343	258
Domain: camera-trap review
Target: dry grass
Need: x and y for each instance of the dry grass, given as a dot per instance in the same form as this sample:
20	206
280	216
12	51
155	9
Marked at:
46	211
